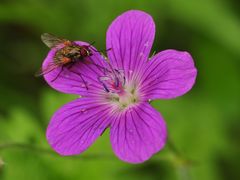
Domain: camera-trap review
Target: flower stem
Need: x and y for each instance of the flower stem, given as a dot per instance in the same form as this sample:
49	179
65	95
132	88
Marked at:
181	163
32	148
24	146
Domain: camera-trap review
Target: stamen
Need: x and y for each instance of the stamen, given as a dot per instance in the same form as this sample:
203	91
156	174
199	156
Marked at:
116	82
105	87
113	81
120	92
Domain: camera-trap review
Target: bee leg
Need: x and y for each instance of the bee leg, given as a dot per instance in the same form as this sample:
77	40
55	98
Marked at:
91	44
100	68
83	81
70	66
79	74
58	74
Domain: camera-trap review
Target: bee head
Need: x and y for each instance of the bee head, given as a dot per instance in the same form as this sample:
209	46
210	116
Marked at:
85	51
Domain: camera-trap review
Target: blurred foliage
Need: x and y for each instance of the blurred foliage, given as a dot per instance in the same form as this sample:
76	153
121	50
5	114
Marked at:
204	125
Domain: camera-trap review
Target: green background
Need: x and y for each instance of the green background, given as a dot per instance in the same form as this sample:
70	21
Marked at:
203	125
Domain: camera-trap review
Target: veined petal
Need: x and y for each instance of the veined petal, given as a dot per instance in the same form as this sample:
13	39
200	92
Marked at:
130	37
77	78
75	126
138	133
168	74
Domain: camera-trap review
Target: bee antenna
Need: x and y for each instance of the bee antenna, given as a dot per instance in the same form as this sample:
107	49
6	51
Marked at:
100	50
105	50
91	44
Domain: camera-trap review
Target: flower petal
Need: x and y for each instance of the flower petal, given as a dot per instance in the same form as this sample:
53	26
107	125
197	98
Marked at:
75	79
130	37
75	126
168	74
138	133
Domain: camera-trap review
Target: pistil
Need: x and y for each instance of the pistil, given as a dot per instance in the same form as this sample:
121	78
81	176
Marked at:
118	91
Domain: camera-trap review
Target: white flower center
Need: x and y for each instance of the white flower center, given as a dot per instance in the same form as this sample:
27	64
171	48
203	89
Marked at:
119	92
127	97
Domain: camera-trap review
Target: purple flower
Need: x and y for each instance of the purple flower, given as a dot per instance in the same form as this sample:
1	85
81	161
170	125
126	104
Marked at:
118	94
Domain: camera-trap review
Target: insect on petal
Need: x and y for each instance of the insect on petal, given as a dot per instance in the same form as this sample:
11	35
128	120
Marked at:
78	78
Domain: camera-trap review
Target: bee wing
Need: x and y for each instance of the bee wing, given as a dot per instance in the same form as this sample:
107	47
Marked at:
51	40
48	69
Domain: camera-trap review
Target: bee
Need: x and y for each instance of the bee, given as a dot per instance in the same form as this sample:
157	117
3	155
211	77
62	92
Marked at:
66	56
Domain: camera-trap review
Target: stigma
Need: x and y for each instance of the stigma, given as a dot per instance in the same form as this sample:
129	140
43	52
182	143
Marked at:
118	90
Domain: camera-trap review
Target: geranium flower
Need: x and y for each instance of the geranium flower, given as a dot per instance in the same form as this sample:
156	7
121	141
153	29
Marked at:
118	94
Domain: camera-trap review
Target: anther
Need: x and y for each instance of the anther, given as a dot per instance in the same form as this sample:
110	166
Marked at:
105	87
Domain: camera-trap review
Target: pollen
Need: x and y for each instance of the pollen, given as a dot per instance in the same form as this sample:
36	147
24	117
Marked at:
125	99
118	92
